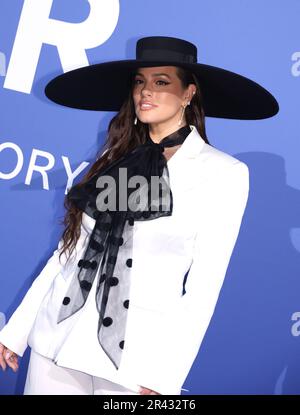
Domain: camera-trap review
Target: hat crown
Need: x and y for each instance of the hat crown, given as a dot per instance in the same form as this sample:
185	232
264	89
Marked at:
162	48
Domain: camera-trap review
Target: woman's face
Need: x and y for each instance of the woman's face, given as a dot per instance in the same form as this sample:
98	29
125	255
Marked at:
158	95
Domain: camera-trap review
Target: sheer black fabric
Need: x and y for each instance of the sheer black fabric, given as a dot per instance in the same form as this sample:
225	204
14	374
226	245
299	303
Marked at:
134	187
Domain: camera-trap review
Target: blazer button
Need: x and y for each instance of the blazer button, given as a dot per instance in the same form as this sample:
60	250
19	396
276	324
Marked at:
93	264
85	285
113	281
107	321
66	300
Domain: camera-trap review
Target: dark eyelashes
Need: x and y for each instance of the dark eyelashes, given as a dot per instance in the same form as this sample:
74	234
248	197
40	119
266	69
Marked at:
137	82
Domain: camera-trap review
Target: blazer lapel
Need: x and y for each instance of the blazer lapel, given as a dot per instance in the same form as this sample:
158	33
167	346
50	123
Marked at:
183	166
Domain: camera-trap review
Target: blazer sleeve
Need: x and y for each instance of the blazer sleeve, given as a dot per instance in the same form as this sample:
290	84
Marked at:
15	333
216	237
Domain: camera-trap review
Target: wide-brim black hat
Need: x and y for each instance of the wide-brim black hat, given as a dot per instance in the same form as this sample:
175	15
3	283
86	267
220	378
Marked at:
105	86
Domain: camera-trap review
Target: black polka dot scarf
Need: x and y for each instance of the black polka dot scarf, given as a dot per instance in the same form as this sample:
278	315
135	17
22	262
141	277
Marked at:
109	250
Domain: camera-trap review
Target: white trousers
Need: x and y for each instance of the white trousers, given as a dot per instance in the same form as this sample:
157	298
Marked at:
46	378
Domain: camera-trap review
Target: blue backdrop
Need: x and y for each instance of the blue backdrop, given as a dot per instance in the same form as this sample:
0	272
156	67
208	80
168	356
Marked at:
252	344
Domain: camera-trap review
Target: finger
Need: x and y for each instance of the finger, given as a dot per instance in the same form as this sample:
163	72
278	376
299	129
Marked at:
144	391
2	361
147	391
11	360
14	359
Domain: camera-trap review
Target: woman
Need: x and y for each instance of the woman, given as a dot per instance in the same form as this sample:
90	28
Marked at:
123	304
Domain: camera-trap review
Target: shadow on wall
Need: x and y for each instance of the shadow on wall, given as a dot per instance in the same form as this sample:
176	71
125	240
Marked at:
249	347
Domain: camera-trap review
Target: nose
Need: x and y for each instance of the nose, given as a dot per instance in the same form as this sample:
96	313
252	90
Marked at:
146	90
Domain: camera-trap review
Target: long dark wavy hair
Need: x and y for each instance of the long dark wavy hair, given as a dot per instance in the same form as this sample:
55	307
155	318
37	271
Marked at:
123	136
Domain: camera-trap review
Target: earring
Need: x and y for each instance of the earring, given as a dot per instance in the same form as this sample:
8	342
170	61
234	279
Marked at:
181	117
135	121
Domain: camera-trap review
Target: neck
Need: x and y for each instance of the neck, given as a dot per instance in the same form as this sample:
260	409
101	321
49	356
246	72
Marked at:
158	131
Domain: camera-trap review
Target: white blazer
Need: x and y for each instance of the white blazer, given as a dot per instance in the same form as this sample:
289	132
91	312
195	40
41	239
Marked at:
165	327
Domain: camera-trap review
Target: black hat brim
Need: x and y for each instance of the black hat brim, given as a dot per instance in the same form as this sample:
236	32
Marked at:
105	86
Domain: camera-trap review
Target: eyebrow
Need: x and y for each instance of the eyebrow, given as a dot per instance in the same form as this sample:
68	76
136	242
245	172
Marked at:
155	74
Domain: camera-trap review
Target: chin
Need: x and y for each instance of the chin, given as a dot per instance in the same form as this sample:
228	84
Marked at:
149	119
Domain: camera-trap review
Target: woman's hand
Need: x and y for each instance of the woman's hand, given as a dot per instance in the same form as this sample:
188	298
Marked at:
9	358
146	391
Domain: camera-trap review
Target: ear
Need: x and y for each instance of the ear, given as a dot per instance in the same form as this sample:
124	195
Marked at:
191	91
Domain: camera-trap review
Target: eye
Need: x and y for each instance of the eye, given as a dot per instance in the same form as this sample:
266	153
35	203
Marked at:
137	81
163	82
